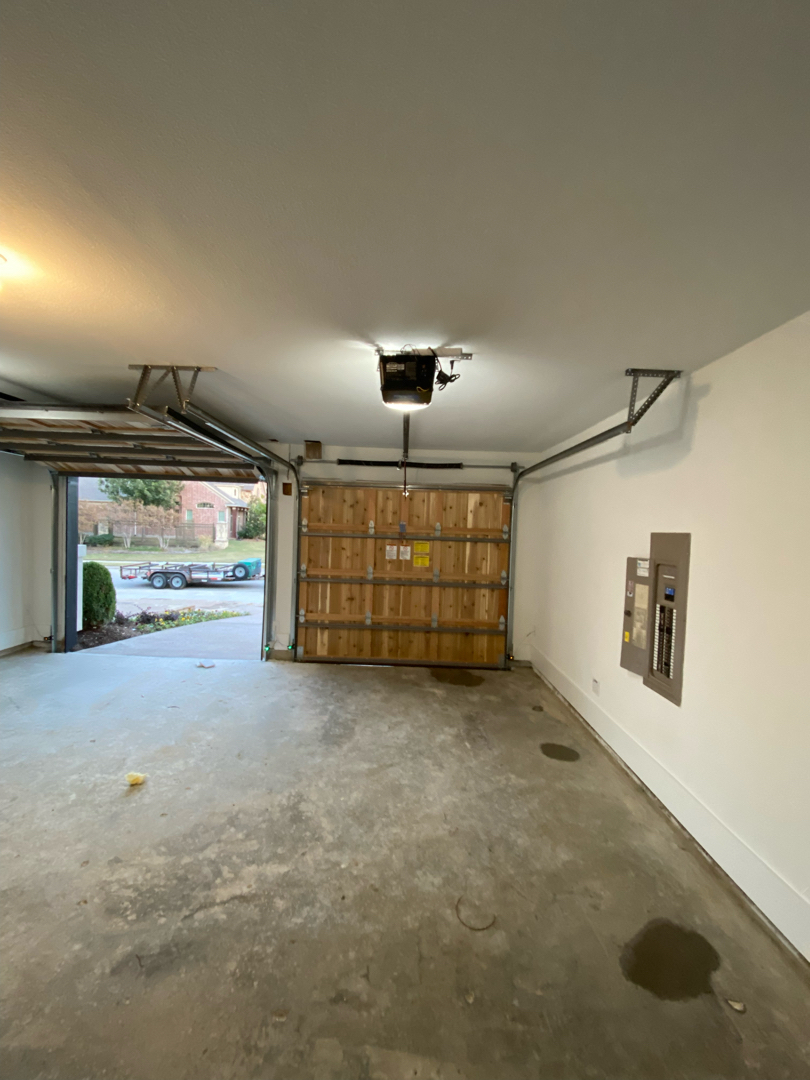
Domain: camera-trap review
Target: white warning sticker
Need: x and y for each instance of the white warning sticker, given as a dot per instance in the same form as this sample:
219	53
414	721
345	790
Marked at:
405	552
391	551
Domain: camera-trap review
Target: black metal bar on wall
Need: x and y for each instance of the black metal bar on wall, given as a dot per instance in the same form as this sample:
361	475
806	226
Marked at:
398	464
71	561
57	561
270	563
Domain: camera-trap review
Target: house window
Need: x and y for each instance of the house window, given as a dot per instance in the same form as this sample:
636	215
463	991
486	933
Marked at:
205	506
189	515
220	515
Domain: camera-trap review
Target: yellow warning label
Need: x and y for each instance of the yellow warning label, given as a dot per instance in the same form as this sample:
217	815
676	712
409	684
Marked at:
421	547
627	635
421	560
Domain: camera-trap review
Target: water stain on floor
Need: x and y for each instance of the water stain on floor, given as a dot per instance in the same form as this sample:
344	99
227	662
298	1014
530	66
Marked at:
538	708
670	961
559	752
456	676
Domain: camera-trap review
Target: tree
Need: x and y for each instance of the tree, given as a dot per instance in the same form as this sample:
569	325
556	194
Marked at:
255	521
163	493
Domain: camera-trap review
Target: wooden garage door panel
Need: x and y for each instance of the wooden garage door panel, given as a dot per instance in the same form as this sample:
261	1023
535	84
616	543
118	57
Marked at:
473	606
471	560
351	509
410	605
327	509
457	561
402	646
353	596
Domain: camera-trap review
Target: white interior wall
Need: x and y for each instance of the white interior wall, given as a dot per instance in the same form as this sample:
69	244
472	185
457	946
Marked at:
724	456
25	552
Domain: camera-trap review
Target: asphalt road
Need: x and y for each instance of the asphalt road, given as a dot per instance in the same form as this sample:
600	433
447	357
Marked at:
138	595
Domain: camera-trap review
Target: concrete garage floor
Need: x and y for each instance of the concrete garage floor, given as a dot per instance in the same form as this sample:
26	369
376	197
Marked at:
301	887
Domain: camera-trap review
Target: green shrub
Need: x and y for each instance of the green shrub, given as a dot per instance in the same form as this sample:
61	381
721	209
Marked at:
100	540
98	596
255	521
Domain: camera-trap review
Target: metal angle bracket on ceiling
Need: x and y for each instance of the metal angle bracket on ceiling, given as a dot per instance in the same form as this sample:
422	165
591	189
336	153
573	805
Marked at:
665	376
143	389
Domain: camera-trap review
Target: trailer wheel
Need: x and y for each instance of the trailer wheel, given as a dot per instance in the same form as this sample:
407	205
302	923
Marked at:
241	572
178	581
158	581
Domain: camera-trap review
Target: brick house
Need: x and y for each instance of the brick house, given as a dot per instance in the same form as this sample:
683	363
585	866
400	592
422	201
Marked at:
215	511
205	503
99	514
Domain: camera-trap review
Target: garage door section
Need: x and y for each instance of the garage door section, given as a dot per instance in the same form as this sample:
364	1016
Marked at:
416	579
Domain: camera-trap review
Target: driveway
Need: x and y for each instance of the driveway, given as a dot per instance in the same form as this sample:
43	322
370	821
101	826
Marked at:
239	638
225	639
138	595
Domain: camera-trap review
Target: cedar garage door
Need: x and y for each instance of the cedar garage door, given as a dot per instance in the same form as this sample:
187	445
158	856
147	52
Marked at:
416	579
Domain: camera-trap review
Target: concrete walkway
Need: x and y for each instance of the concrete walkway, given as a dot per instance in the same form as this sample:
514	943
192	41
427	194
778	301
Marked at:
239	638
335	873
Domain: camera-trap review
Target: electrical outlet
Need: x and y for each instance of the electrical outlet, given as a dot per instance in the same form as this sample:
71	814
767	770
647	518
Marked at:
595	685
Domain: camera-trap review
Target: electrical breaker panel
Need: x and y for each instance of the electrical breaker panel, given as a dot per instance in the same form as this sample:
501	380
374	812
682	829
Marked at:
669	583
654	625
635	629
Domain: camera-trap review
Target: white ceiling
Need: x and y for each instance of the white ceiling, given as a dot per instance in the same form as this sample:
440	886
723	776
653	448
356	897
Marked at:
565	188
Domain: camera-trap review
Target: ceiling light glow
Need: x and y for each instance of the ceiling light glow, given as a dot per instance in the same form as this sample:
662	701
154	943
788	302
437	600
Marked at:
406	406
13	267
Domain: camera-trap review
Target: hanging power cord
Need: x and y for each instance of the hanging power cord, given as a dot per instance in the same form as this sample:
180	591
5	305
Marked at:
443	379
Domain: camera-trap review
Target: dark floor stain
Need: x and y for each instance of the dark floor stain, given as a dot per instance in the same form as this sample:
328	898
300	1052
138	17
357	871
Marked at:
456	676
538	708
670	961
474	732
337	729
350	998
559	752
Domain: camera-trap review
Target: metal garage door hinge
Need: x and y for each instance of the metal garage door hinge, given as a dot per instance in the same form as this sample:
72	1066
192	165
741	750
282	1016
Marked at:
371	528
503	577
304	524
434	621
506	532
370	573
502	623
435	573
368	618
438	529
302	615
303	569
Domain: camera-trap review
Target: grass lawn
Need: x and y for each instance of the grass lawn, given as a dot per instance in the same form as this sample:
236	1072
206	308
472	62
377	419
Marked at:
236	550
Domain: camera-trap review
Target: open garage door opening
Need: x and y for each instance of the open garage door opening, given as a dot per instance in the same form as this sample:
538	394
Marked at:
183	555
181	519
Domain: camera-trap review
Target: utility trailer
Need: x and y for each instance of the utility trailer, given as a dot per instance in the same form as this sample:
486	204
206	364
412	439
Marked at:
176	575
